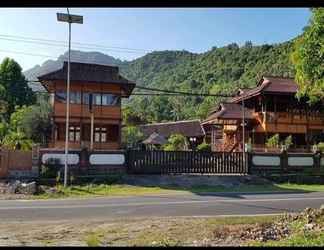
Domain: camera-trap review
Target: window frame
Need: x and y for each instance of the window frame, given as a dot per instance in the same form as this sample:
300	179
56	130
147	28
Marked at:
100	131
75	130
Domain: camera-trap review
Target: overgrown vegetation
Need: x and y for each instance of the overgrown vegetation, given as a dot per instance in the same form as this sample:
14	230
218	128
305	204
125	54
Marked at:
204	147
219	70
275	142
24	117
176	142
308	57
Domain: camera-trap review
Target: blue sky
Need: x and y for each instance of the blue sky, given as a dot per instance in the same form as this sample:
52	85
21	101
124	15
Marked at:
145	29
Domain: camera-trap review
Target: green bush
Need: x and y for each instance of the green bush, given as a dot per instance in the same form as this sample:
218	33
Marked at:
204	147
50	168
288	142
273	141
320	146
176	142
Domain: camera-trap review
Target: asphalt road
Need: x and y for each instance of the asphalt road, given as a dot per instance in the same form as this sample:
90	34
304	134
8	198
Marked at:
107	208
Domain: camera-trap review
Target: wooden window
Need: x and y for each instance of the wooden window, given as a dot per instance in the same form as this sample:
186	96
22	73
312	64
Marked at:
100	134
74	133
75	97
97	99
60	96
110	99
86	98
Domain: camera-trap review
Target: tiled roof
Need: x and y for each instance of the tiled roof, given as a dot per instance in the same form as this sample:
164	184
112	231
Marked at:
155	139
269	84
90	73
190	128
230	111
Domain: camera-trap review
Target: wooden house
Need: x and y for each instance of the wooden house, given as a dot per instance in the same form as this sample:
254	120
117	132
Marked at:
105	87
269	108
191	129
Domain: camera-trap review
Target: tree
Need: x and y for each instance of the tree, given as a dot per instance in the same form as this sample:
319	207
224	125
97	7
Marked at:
17	140
12	135
36	122
131	135
15	90
308	58
176	142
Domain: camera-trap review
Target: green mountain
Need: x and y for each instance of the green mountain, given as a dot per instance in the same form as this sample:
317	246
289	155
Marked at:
219	70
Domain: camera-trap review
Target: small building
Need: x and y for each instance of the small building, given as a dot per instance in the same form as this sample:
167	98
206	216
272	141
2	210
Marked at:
95	103
191	129
269	108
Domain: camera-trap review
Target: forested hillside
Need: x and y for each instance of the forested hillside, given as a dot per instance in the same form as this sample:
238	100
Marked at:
220	70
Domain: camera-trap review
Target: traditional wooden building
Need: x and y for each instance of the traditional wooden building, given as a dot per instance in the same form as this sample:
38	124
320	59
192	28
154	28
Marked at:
105	87
191	129
269	108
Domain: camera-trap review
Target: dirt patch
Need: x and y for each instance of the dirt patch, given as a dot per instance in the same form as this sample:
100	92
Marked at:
136	232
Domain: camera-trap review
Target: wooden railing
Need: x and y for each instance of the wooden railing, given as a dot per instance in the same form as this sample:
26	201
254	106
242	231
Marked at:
263	148
285	117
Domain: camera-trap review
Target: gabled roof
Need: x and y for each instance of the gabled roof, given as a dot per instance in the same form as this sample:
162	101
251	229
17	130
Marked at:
155	139
230	111
90	73
267	85
190	128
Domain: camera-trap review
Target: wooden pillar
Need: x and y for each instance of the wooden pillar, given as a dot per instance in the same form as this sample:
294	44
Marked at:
275	110
307	126
91	131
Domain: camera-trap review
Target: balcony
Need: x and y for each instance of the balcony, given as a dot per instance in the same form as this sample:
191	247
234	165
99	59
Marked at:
285	117
78	110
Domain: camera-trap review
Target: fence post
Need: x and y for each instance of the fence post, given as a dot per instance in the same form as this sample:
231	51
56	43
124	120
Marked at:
284	161
126	152
317	161
249	162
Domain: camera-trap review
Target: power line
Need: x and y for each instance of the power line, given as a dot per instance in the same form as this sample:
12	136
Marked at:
165	91
26	53
45	56
180	92
63	43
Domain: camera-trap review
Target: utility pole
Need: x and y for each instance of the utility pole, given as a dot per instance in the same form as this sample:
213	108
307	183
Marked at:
243	130
69	19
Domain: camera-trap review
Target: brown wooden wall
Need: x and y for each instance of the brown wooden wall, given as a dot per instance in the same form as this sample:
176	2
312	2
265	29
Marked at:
14	160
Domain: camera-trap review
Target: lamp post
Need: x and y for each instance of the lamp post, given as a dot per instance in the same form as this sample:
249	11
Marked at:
243	130
193	141
62	17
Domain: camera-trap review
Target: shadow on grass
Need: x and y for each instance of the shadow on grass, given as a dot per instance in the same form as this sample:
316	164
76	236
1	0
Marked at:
268	188
233	186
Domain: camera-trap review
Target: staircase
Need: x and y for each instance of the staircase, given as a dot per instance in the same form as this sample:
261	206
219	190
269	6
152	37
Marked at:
230	146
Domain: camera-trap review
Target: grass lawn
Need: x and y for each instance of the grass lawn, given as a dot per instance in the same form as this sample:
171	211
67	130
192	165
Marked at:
121	189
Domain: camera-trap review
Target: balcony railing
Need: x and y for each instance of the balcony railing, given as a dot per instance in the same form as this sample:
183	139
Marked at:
285	117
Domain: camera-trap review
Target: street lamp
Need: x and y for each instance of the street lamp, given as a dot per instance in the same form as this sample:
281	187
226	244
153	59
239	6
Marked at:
67	18
193	140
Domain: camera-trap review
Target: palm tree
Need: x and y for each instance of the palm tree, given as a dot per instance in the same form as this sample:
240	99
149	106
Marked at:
17	140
